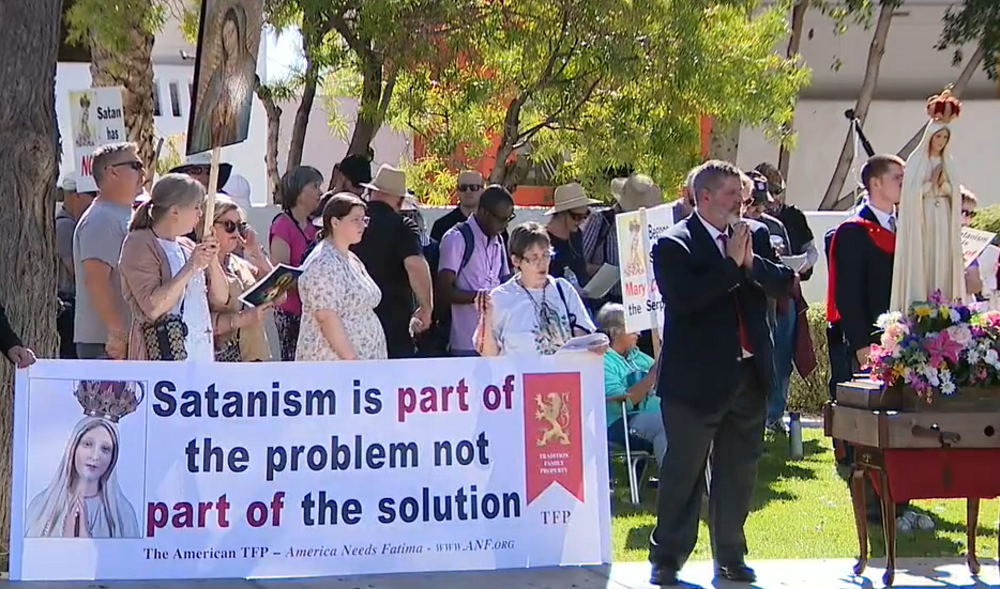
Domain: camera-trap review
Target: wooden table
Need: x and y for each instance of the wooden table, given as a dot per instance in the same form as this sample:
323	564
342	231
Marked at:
917	456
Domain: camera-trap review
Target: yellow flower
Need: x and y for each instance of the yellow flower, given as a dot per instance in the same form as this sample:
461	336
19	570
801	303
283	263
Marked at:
944	312
898	369
922	311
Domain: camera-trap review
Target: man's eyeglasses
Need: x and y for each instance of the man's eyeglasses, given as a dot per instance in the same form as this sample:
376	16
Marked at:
500	218
134	164
469	187
232	226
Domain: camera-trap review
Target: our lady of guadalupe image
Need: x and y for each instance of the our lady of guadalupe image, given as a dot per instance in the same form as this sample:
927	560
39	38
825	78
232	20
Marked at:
84	500
226	73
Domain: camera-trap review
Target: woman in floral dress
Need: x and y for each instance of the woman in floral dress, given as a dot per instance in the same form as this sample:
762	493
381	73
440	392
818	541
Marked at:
338	295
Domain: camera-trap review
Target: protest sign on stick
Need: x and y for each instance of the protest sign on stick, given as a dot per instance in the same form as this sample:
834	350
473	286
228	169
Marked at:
225	74
96	119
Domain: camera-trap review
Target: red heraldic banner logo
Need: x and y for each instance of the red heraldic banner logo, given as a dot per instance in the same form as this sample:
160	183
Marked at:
553	433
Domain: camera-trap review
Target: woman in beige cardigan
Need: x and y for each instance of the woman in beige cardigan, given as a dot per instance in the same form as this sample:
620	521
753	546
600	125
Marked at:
238	329
164	272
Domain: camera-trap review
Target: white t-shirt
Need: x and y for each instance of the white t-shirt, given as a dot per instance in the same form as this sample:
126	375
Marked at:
516	317
199	343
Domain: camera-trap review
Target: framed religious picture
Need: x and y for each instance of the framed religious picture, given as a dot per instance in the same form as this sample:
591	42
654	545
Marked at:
225	73
271	287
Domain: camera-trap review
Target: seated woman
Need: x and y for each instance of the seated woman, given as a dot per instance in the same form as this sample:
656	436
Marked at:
338	295
629	375
532	313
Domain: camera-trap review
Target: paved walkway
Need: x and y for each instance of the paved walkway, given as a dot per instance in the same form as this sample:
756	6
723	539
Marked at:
773	574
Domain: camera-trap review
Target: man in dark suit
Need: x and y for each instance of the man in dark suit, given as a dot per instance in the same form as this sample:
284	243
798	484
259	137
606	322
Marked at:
714	272
860	253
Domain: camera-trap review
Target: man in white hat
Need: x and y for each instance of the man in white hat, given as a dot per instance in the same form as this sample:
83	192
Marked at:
73	205
570	210
392	253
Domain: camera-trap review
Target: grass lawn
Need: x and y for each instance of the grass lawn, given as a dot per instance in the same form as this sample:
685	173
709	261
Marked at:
803	510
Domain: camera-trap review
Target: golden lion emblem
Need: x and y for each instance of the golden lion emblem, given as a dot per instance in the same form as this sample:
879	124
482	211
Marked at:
553	408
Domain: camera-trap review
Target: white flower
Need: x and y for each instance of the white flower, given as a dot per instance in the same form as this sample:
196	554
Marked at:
960	334
947	387
955	316
992	358
974	356
887	319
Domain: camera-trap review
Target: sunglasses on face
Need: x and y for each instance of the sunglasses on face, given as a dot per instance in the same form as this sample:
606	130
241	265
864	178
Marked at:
469	187
232	226
579	217
969	214
134	164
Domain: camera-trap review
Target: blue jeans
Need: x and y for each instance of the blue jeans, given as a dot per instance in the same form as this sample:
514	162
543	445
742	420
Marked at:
784	346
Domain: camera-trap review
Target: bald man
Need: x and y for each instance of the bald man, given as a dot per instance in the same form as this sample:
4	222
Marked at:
469	189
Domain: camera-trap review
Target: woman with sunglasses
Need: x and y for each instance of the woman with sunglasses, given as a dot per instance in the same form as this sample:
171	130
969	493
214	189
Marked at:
240	335
338	295
569	212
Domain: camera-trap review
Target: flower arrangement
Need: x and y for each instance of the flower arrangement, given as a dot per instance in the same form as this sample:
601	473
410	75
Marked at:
938	347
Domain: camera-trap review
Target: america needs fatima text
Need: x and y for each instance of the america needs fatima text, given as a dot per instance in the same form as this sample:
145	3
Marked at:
340	454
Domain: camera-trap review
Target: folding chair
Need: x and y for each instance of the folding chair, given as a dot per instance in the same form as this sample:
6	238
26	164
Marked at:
636	481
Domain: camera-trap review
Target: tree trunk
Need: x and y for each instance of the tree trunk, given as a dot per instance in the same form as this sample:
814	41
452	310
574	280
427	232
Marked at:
724	141
273	112
875	52
133	71
794	42
29	148
971	67
302	116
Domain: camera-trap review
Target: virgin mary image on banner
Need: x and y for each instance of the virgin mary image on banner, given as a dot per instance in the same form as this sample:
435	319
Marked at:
84	499
225	73
929	233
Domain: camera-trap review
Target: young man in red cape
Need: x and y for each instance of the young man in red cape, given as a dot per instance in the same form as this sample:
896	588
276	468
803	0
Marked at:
860	254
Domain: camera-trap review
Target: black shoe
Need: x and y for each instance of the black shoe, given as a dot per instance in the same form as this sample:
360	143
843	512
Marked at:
738	573
663	576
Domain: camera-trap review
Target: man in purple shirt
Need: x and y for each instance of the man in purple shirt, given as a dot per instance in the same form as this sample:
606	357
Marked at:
462	274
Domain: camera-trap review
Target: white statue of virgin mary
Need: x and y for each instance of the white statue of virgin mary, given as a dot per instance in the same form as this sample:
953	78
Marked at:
929	231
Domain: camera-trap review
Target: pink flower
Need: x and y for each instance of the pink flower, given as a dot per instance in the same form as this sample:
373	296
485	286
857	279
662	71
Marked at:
960	334
942	347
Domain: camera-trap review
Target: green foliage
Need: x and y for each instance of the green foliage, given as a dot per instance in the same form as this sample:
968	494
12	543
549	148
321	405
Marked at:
108	23
170	154
431	180
808	395
987	219
973	21
591	85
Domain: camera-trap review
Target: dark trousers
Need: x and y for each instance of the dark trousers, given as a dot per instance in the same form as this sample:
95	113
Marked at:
735	434
65	328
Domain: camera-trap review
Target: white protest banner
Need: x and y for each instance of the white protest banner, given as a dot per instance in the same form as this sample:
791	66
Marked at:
974	242
96	118
638	232
157	470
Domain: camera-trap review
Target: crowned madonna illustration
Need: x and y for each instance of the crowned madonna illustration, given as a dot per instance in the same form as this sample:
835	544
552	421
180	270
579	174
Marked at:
84	499
929	235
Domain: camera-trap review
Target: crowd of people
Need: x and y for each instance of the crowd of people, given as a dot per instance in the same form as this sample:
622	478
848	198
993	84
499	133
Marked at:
141	278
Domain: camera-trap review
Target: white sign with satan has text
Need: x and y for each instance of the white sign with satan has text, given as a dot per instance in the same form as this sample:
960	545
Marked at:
96	118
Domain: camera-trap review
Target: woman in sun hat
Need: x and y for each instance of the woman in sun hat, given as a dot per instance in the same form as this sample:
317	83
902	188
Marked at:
570	210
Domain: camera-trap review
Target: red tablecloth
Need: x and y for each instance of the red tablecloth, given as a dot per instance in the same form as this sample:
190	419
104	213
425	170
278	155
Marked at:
941	474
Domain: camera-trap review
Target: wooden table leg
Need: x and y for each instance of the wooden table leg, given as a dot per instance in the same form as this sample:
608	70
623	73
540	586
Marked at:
860	517
971	525
889	526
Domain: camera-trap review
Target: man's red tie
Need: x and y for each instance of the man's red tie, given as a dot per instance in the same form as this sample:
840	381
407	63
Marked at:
744	339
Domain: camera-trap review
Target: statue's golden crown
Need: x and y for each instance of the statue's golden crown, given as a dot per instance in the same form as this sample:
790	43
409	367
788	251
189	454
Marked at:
110	399
943	107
